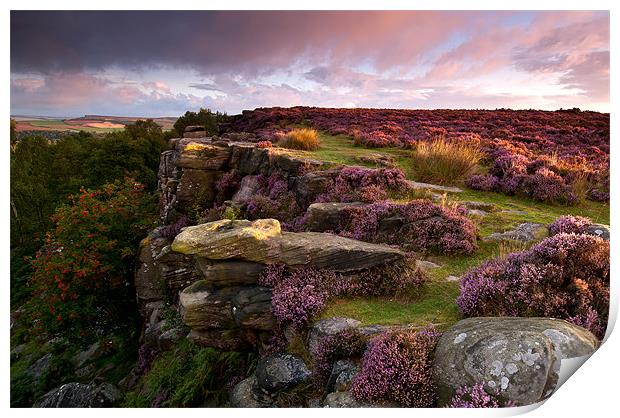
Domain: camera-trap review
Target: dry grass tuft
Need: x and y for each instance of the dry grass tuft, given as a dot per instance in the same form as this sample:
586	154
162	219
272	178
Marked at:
301	139
443	161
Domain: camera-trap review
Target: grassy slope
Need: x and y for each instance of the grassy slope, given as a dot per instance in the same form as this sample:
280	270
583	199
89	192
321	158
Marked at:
436	303
60	125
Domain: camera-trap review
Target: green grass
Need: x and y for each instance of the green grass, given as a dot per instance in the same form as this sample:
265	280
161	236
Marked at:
437	302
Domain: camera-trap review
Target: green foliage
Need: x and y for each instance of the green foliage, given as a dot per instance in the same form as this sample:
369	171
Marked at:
190	376
44	173
204	117
80	281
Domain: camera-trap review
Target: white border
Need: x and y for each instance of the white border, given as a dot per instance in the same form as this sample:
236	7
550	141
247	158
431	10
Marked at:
590	392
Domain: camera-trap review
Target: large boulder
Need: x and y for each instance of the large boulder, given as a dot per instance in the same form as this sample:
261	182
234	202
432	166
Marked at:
242	395
262	241
196	187
79	395
280	372
230	273
203	155
252	308
148	282
205	307
310	185
248	188
517	358
323	217
598	230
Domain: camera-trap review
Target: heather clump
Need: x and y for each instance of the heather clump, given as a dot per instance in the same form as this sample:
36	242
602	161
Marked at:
476	397
426	226
364	184
564	276
397	367
300	294
172	230
273	199
569	224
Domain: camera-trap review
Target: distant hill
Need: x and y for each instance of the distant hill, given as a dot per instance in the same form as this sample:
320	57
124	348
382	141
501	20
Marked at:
91	123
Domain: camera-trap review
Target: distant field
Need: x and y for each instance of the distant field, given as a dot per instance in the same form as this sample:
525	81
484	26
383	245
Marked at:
89	123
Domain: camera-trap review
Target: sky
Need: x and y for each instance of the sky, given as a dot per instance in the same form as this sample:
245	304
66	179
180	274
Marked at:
162	63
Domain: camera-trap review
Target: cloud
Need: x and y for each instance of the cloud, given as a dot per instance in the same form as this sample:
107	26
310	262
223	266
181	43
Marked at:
95	62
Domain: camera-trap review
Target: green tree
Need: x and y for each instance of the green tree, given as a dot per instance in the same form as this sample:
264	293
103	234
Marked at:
204	117
81	281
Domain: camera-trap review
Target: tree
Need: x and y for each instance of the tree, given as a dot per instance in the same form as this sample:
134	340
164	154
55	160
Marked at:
204	117
81	279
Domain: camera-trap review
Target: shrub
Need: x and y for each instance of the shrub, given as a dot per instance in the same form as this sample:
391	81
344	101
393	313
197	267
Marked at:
301	139
364	184
331	348
564	276
81	277
190	376
486	183
427	226
443	161
264	144
569	224
174	229
272	200
476	397
300	294
547	186
397	367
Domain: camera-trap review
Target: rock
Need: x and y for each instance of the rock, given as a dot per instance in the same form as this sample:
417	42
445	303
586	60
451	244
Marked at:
169	339
341	376
343	400
148	282
475	205
416	185
252	308
242	395
310	185
315	403
513	212
262	241
527	231
196	187
37	369
294	164
203	155
230	273
205	307
17	351
326	216
248	159
280	372
79	395
93	352
518	358
477	212
224	339
390	226
248	188
453	279
382	160
598	230
328	326
426	265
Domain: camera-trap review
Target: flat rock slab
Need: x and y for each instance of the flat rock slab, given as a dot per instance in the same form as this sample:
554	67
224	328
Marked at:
517	358
598	230
526	231
416	185
262	241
